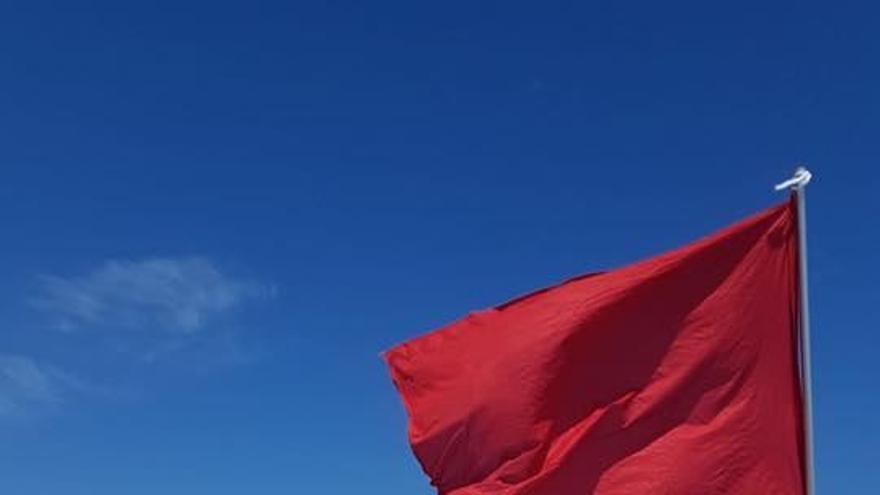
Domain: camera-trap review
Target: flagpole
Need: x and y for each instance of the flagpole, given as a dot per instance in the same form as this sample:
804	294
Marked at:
797	185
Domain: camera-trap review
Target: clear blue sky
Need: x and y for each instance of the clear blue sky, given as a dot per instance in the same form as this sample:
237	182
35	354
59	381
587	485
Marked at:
216	215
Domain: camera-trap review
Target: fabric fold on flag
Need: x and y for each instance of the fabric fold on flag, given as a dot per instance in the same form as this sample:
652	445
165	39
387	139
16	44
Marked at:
673	375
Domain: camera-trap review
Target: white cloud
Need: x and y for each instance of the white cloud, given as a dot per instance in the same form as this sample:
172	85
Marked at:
25	385
173	294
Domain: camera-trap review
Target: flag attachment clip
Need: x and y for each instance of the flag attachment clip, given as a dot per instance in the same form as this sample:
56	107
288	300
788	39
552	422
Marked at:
800	179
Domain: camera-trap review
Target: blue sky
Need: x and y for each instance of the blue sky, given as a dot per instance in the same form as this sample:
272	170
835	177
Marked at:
216	215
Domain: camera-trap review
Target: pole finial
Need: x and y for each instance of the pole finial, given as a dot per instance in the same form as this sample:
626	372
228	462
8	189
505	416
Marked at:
800	179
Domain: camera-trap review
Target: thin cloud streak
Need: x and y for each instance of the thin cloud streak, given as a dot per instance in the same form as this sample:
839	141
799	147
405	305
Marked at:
25	385
178	295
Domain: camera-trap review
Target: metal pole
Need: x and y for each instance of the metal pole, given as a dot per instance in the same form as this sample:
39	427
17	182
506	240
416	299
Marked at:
797	184
807	378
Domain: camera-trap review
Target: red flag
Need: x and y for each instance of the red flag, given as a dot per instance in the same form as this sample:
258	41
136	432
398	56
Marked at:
675	375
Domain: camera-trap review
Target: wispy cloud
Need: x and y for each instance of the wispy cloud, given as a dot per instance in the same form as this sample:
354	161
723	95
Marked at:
179	313
25	385
178	295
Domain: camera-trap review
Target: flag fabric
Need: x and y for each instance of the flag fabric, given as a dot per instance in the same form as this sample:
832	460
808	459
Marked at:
675	375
